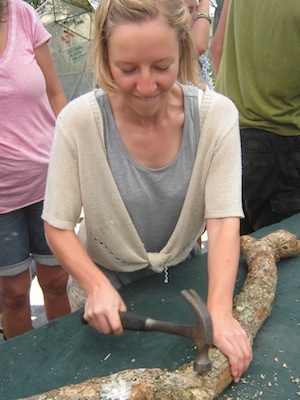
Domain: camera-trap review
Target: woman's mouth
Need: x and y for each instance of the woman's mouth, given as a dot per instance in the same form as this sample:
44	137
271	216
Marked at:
146	98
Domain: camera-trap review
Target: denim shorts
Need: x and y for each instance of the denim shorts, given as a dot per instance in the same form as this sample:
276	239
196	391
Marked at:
22	239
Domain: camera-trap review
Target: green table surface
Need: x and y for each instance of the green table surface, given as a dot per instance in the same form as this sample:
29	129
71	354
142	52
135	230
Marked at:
65	351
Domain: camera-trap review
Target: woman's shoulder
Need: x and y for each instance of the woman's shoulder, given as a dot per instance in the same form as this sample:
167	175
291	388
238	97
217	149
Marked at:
23	5
209	99
218	102
80	104
81	112
29	23
24	10
190	90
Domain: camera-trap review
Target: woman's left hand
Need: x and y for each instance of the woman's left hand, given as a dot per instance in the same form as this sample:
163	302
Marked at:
231	339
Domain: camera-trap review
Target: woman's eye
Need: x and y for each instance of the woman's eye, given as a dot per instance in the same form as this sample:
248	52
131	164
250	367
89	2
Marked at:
162	68
132	70
127	71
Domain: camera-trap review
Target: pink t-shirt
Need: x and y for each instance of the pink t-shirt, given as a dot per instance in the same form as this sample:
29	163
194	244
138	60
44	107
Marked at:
26	118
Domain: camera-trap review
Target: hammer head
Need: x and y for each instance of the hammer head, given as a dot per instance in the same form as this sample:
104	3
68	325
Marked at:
201	333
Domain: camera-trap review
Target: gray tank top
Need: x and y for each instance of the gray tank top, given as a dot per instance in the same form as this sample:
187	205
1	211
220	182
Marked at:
153	197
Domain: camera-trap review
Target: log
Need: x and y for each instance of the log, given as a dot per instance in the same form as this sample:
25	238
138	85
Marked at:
252	306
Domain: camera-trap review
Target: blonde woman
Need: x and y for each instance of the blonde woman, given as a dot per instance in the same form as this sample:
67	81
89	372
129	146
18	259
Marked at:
153	158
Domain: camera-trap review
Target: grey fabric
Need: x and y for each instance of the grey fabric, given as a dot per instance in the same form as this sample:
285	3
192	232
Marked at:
159	191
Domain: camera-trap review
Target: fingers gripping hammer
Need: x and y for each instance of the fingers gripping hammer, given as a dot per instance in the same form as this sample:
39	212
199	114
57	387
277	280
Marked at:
201	333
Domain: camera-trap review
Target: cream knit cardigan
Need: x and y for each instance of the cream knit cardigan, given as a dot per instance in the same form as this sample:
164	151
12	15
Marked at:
79	176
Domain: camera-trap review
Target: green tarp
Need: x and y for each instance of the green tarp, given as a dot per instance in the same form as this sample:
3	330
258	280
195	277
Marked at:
66	352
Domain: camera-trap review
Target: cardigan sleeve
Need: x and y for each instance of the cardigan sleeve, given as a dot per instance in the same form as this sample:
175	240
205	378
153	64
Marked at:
223	192
63	202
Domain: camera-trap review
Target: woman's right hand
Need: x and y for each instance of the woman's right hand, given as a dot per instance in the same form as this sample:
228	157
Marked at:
102	309
103	300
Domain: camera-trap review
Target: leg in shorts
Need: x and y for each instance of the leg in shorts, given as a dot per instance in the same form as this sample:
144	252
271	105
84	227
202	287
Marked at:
22	239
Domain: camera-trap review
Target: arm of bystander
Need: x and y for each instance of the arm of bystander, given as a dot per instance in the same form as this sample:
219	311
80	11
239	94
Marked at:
55	92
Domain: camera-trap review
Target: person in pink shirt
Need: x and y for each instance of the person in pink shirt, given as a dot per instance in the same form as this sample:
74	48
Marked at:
31	96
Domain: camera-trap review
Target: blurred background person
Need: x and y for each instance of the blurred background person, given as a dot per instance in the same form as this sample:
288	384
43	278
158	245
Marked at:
256	58
200	23
31	96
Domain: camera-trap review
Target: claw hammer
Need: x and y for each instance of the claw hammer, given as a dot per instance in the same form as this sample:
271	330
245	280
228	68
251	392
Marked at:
201	333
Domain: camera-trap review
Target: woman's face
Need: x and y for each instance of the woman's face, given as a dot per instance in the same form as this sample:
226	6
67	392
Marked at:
144	62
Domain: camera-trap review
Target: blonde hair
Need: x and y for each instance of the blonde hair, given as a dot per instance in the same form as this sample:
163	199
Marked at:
174	13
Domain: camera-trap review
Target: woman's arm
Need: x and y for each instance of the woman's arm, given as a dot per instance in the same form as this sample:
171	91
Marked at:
103	300
55	92
201	28
216	46
223	259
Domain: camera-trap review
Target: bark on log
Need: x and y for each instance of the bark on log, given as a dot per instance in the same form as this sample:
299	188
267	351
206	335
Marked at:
251	307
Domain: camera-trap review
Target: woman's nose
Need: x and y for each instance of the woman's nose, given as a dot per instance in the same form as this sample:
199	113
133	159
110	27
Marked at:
146	84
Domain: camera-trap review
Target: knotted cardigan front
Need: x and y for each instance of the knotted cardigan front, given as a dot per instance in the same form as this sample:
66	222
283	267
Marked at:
79	176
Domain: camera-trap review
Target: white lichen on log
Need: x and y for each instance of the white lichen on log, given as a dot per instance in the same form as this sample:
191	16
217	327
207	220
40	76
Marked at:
251	308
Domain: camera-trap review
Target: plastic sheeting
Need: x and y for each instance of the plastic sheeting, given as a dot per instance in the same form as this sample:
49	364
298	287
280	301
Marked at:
70	24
